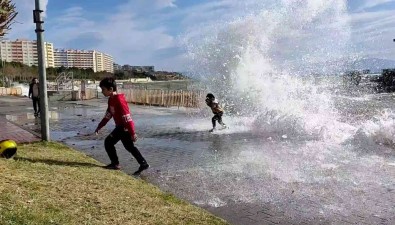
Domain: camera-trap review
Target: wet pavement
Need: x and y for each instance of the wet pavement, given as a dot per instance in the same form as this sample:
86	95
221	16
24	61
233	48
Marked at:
239	176
12	130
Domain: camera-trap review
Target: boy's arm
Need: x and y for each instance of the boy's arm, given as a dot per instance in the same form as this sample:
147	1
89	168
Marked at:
104	121
128	123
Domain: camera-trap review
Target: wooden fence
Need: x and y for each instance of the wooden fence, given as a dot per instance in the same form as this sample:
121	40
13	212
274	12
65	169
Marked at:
10	91
166	98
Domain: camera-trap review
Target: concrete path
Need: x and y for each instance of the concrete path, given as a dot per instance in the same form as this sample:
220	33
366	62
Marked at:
242	177
11	130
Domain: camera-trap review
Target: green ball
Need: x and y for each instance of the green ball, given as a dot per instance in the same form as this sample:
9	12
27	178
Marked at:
7	148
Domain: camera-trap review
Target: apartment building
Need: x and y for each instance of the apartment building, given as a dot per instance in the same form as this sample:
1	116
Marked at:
108	63
84	59
25	52
104	62
49	55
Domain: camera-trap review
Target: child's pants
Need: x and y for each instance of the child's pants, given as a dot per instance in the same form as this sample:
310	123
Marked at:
119	133
217	116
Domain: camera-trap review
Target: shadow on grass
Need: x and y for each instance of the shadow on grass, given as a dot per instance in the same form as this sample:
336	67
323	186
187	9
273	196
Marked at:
55	162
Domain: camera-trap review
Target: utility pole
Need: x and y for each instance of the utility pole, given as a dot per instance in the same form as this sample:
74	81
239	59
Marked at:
41	68
2	72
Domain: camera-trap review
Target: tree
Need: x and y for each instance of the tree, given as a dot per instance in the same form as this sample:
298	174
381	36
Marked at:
7	15
120	75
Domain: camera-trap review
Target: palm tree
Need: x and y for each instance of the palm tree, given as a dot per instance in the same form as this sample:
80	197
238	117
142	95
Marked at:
7	15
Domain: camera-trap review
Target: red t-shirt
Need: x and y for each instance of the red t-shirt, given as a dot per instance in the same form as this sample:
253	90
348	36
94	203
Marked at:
119	110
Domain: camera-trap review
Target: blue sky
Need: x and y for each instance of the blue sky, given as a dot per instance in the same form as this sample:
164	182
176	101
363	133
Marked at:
148	32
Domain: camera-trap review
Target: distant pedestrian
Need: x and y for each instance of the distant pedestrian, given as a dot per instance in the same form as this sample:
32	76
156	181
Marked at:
34	94
213	103
124	126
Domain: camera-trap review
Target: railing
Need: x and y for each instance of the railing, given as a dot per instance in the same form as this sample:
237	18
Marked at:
10	91
69	95
64	81
166	98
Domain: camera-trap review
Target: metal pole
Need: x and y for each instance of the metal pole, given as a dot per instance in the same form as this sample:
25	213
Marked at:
72	82
41	68
2	68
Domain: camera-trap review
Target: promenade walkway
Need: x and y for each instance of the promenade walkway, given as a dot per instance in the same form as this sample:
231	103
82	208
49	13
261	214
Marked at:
242	177
11	130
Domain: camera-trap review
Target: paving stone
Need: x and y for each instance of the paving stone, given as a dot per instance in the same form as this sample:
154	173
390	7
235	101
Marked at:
11	131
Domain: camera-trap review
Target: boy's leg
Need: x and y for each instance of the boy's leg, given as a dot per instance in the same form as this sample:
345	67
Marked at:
130	147
109	144
220	120
213	120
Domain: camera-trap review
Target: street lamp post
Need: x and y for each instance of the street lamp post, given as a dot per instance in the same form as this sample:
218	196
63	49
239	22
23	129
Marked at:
2	72
41	68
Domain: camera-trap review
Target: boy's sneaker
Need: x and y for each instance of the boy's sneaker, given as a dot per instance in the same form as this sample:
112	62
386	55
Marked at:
112	167
212	130
223	127
141	169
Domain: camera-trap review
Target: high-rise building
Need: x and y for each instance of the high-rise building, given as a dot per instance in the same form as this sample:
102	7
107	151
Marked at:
108	63
104	62
49	55
99	58
25	52
75	58
83	59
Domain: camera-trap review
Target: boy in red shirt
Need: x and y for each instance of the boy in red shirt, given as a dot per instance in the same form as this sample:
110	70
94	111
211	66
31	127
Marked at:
124	126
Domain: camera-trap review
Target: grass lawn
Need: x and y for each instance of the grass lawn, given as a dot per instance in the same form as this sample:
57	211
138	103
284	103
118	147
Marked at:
49	183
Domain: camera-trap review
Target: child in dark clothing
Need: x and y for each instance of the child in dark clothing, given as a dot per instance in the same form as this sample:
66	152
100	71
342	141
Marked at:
212	102
124	126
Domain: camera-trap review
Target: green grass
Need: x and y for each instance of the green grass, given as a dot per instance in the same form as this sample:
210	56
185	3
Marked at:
48	183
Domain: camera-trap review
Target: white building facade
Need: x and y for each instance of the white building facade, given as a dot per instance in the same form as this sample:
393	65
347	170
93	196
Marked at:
83	59
25	52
